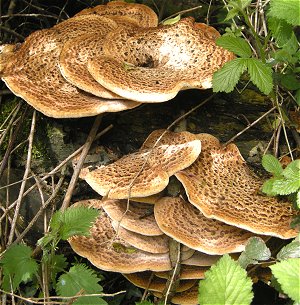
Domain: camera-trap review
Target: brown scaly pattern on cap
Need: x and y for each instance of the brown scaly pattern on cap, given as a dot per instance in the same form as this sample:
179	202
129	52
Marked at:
33	72
108	252
152	65
139	13
157	166
151	244
139	218
186	273
222	186
142	280
186	224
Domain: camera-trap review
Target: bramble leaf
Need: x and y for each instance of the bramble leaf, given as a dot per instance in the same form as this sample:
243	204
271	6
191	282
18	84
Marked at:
225	283
80	280
292	250
287	274
288	10
281	30
267	187
18	266
286	186
255	250
228	76
236	45
260	75
271	164
292	171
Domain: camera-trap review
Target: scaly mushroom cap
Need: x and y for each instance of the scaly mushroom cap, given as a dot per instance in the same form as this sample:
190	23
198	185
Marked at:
186	224
222	187
150	169
77	51
152	65
151	244
139	218
32	72
188	297
186	273
146	281
201	259
139	13
108	252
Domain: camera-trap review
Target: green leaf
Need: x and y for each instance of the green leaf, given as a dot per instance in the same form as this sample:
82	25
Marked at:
255	250
289	81
171	20
292	250
297	97
231	14
144	303
267	187
286	186
83	280
236	45
73	221
228	76
18	266
260	75
298	199
281	30
58	264
292	45
288	10
271	164
287	274
225	283
292	171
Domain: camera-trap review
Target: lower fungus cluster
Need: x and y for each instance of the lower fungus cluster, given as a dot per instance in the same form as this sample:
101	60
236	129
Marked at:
133	237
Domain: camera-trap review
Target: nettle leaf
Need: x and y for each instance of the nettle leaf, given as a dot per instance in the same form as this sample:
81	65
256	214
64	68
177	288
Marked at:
18	266
172	20
267	187
225	283
80	280
292	171
287	10
292	250
255	250
236	45
228	76
58	264
286	186
73	221
271	164
287	274
281	30
260	75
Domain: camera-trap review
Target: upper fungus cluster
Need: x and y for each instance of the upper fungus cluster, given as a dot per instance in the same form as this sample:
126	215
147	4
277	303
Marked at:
110	58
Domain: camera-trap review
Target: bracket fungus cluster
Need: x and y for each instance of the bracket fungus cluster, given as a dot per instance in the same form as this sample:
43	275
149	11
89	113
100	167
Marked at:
221	210
110	58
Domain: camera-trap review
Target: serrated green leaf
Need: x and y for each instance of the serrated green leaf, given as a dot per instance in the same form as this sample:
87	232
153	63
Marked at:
18	266
292	171
288	10
287	274
292	250
228	76
79	279
298	199
281	30
73	221
172	20
292	45
267	187
225	283
236	45
231	14
271	165
286	186
255	250
289	81
260	75
58	264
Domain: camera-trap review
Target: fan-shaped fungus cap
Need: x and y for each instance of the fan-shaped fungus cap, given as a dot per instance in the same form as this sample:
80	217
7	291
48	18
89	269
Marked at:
146	281
139	218
32	72
139	13
147	170
186	273
186	224
152	244
152	65
108	252
201	259
223	187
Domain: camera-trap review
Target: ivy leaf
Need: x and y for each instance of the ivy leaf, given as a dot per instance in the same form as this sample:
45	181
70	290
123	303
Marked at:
260	75
292	171
80	280
236	45
18	266
73	221
171	20
292	250
287	274
228	76
255	250
225	283
287	10
271	164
